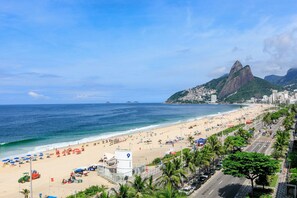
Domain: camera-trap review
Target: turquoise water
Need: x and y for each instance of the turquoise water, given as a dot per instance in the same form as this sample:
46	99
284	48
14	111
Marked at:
34	128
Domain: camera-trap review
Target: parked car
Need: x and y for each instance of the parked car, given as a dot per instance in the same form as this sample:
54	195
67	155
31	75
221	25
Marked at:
219	167
196	185
188	190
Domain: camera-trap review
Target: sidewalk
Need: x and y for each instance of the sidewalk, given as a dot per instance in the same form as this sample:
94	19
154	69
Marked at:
281	191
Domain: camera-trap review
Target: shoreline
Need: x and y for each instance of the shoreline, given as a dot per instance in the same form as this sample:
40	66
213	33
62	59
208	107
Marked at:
110	135
143	153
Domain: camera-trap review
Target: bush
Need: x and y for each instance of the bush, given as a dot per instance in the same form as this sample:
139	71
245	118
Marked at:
262	193
88	193
167	156
157	161
293	178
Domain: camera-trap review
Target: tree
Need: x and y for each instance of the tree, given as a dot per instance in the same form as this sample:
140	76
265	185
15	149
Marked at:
234	143
191	140
201	158
267	118
188	160
139	185
281	143
123	192
150	186
177	162
249	165
170	175
169	192
25	192
215	147
103	194
244	134
263	180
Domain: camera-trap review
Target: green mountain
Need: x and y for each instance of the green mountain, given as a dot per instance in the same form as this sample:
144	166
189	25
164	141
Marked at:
289	81
237	86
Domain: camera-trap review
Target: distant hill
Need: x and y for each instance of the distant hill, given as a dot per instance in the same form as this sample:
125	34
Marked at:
289	81
237	86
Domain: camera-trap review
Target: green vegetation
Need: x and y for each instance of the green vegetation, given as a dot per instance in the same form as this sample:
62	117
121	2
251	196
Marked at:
25	192
255	88
175	98
217	83
260	193
273	181
230	130
281	144
89	192
249	165
156	161
234	143
244	134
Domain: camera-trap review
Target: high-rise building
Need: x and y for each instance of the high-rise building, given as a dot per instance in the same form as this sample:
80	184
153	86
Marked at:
213	98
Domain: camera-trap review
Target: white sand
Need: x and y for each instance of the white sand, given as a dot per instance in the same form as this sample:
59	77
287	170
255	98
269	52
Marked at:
59	168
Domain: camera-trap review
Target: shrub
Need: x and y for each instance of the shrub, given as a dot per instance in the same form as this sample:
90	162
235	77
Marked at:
157	161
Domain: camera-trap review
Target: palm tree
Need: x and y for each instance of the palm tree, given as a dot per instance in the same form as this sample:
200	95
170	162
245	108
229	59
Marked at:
177	162
201	158
288	122
191	140
139	185
267	118
281	143
244	134
215	147
25	192
123	192
103	194
169	192
188	158
170	175
150	186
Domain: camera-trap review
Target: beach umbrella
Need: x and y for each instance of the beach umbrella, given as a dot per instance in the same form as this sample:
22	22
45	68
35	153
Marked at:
16	158
29	155
35	155
40	154
5	160
79	170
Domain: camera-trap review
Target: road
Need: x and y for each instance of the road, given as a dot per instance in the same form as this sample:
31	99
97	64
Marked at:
221	185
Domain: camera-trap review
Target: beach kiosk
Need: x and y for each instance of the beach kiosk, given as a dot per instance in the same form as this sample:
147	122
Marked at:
124	162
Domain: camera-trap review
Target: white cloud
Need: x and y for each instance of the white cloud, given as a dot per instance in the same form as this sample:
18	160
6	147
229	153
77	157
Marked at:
282	46
219	71
36	95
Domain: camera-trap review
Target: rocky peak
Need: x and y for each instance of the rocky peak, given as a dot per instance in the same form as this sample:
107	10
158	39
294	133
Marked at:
238	77
235	68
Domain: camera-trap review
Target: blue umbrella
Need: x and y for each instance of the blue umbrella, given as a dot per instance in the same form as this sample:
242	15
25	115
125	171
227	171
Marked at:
40	154
79	170
5	160
16	158
29	155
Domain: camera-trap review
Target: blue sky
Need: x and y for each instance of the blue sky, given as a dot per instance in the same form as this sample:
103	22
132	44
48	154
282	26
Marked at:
77	51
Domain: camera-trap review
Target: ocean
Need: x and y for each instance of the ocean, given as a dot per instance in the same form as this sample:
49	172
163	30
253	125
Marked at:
35	128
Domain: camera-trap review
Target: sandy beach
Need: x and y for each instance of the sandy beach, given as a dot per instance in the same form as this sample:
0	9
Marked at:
53	170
